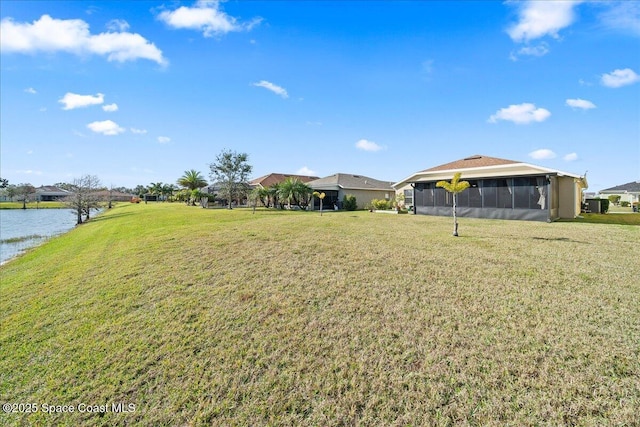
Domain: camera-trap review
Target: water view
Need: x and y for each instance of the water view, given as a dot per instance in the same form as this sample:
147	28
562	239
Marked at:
24	229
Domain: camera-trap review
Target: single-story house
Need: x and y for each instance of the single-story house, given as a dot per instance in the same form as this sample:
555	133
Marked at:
50	193
629	192
338	185
500	188
276	178
115	196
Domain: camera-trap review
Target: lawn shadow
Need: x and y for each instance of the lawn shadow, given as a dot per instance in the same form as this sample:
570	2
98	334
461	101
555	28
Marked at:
559	239
106	217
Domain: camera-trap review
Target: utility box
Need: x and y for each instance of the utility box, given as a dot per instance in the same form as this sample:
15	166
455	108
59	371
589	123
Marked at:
594	205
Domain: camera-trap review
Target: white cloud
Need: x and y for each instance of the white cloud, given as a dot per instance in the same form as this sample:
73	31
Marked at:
29	172
273	88
30	152
623	16
428	68
110	108
138	131
73	100
580	103
72	35
520	114
31	90
164	139
205	16
619	78
118	25
106	127
537	19
305	171
570	157
543	153
365	145
540	50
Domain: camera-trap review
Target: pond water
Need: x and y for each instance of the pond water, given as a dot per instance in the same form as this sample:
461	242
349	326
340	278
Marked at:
23	229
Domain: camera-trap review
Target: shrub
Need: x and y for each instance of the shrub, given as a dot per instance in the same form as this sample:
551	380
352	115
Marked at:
604	205
381	204
349	202
625	204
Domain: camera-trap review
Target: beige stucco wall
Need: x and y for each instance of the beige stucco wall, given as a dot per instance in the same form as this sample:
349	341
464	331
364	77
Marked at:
569	196
363	197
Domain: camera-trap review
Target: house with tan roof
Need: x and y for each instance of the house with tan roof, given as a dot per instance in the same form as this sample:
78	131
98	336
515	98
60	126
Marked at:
500	189
338	185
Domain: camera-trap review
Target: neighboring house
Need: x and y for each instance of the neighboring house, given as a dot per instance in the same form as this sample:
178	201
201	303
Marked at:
362	187
629	192
115	196
50	193
500	188
276	178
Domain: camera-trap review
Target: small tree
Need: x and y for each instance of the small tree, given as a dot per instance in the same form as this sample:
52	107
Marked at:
11	191
349	202
320	196
231	171
83	196
24	191
615	199
454	187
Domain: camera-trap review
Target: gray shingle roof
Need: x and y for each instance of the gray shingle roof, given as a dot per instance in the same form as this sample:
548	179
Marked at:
350	181
633	187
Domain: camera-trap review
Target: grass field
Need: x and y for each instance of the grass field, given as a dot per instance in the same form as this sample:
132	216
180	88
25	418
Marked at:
609	218
32	205
216	317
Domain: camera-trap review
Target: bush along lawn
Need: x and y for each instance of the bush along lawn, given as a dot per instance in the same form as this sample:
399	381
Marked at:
189	316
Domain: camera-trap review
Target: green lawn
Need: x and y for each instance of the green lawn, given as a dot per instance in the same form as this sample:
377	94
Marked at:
216	317
608	218
32	205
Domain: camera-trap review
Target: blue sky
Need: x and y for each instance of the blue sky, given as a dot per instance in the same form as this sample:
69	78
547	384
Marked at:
139	92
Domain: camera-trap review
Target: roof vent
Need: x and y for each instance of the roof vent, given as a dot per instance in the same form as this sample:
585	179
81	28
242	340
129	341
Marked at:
473	157
356	176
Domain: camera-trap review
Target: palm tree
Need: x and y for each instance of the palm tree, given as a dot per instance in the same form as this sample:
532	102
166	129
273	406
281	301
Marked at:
454	187
292	189
155	188
192	180
167	190
320	196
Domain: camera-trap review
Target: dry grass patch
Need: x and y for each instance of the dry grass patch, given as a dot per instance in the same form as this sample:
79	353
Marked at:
215	317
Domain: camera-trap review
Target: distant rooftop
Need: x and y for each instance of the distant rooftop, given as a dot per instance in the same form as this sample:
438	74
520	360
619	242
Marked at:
474	161
351	181
629	187
275	178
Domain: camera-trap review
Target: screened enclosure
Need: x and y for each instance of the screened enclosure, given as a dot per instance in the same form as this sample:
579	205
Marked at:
525	197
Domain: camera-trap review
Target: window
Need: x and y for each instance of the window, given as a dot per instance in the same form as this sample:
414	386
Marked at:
408	197
505	197
475	197
525	193
463	198
490	193
440	196
427	194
